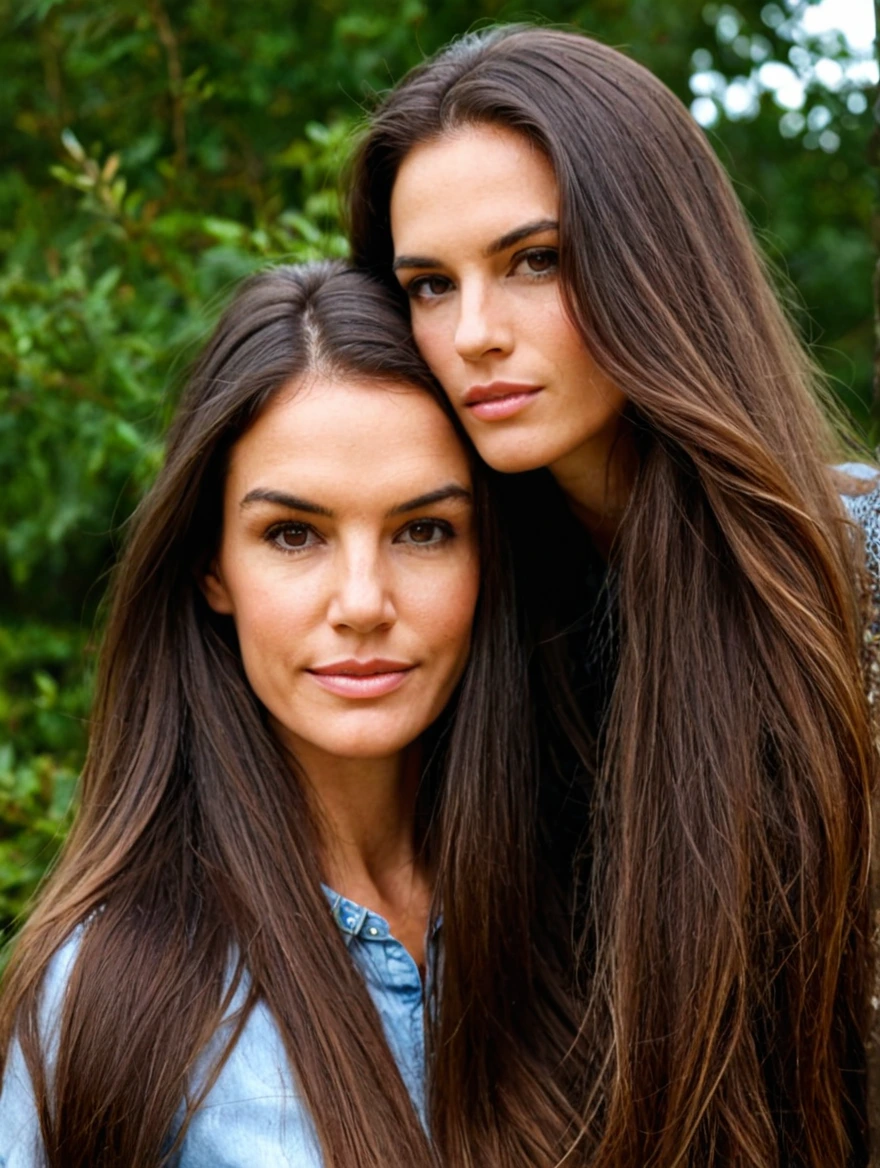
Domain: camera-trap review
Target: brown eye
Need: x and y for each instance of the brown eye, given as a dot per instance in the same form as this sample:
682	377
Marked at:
422	532
428	287
544	260
291	537
426	532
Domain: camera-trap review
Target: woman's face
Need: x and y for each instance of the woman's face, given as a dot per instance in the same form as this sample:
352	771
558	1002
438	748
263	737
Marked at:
475	220
349	564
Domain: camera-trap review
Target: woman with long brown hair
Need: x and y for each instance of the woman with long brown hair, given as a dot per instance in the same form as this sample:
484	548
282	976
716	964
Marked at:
311	737
582	281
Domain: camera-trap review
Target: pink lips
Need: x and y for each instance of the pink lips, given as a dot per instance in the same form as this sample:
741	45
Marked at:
361	679
499	399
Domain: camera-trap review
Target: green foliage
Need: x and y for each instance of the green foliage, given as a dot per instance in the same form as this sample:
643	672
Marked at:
152	154
39	762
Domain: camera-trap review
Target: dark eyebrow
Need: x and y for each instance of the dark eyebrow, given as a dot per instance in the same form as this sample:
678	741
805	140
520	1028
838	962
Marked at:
521	233
450	491
294	503
502	244
414	261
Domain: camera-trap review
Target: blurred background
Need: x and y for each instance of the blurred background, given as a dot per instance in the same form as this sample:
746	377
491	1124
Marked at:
154	151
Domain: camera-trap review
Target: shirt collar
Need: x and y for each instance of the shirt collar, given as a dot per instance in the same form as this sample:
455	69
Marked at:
354	920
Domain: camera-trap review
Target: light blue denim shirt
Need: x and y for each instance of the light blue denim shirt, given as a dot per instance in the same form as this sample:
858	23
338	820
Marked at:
254	1116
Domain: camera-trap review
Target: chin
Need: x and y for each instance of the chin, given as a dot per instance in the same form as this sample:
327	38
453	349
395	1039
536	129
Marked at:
341	737
515	454
366	745
364	751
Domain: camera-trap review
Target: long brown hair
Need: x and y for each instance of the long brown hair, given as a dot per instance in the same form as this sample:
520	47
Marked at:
194	861
725	950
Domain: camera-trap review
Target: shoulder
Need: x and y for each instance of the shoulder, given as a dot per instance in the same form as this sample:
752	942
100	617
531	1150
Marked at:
859	487
54	987
854	480
254	1113
20	1140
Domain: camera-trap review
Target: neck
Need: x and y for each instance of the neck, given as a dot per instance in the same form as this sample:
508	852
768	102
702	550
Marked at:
365	810
597	479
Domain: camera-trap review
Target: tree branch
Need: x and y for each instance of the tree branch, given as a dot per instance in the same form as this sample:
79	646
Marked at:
175	79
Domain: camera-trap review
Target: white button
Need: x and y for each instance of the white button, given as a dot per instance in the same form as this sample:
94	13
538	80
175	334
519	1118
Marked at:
373	932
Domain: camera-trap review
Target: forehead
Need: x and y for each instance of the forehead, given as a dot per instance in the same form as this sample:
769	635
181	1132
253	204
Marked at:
481	179
349	440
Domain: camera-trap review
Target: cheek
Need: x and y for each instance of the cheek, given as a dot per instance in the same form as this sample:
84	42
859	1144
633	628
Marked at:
588	388
445	612
551	330
271	616
266	606
434	340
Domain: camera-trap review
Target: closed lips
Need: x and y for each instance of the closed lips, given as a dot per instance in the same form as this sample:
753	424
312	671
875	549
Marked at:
498	389
357	679
500	400
360	668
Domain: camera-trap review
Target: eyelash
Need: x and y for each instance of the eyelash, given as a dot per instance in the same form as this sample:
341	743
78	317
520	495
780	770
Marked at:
532	253
278	529
415	286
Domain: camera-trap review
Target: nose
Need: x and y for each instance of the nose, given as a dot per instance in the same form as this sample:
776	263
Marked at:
361	599
482	327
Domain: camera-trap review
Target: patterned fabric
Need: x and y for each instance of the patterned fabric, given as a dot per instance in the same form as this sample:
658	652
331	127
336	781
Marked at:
864	509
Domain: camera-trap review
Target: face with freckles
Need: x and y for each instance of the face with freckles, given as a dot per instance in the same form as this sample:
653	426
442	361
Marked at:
475	221
348	562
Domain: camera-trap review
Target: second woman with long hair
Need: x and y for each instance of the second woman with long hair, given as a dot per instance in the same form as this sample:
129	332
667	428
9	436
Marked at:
581	279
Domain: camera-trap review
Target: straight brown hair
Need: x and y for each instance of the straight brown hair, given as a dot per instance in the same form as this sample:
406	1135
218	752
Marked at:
724	954
193	867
